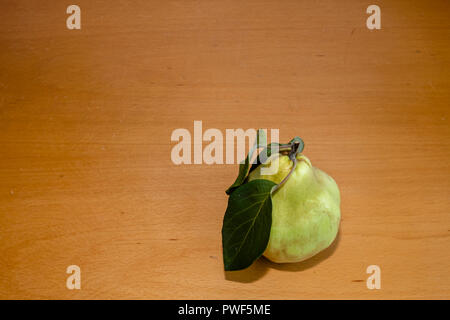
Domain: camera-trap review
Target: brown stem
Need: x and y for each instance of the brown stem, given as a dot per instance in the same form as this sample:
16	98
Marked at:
293	150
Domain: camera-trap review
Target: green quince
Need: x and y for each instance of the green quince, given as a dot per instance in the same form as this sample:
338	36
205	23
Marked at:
305	210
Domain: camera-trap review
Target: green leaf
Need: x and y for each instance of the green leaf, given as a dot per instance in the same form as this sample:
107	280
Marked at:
247	223
261	141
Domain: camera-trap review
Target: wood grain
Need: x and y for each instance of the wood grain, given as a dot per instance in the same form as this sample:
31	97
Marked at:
86	118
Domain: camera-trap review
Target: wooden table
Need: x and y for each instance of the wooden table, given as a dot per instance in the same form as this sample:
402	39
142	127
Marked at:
86	117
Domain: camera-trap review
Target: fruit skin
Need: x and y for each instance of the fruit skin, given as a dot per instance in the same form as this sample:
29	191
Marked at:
305	210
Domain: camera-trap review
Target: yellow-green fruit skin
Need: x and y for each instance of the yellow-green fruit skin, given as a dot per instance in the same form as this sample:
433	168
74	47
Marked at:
305	210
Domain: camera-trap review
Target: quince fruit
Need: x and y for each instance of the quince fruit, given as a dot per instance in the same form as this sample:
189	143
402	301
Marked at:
305	210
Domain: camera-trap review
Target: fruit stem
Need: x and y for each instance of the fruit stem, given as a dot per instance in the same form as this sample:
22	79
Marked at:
283	148
293	149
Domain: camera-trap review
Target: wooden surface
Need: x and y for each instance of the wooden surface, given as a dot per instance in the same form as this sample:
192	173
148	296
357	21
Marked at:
86	118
